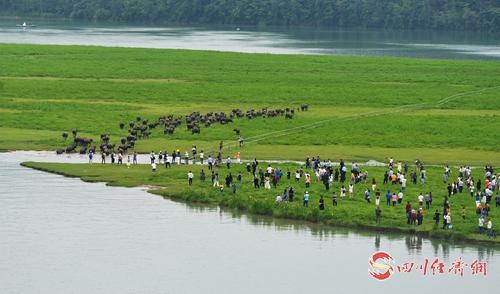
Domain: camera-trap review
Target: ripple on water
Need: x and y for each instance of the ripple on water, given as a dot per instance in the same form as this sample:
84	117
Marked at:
61	235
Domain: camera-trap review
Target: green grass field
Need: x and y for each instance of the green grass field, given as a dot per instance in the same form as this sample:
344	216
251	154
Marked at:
370	107
361	108
355	212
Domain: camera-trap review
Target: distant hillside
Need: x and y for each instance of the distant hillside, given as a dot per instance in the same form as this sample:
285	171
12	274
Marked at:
472	15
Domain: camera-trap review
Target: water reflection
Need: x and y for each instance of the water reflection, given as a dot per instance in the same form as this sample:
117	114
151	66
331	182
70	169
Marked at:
415	244
419	44
60	235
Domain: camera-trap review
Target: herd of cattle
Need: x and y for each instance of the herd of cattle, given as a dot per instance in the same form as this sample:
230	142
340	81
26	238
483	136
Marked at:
141	128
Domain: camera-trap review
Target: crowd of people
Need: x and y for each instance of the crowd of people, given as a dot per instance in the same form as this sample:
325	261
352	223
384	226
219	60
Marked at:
348	179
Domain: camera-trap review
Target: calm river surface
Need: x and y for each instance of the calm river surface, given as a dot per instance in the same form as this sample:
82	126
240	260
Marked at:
61	235
420	44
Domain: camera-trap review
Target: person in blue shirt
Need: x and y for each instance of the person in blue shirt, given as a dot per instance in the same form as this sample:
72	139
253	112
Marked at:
306	199
210	162
367	195
388	197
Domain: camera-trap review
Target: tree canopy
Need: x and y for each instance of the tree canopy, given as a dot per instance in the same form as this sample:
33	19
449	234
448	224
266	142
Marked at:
473	15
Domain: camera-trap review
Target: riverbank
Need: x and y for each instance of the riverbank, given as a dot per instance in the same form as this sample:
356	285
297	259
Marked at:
122	239
354	213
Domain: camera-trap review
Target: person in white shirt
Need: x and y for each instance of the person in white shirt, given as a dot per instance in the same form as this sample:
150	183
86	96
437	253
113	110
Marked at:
190	178
403	183
202	156
489	226
460	185
168	160
269	169
421	199
153	166
297	176
488	192
267	184
448	220
471	189
480	224
400	197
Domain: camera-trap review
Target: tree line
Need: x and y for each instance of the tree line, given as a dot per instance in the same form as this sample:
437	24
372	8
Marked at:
471	15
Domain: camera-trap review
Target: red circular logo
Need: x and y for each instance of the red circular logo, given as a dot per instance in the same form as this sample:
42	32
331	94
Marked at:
381	265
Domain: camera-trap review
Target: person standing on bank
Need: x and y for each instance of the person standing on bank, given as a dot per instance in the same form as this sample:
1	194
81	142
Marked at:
306	199
190	178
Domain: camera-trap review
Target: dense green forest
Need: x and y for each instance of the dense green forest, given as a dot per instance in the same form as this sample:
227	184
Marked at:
475	15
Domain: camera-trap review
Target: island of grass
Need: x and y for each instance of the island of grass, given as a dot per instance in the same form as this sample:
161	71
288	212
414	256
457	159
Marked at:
361	108
350	212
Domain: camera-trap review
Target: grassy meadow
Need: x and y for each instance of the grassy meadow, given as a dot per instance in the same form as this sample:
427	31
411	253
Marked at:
355	212
441	111
361	108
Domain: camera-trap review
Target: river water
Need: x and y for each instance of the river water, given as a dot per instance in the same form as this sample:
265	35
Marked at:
419	44
61	235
